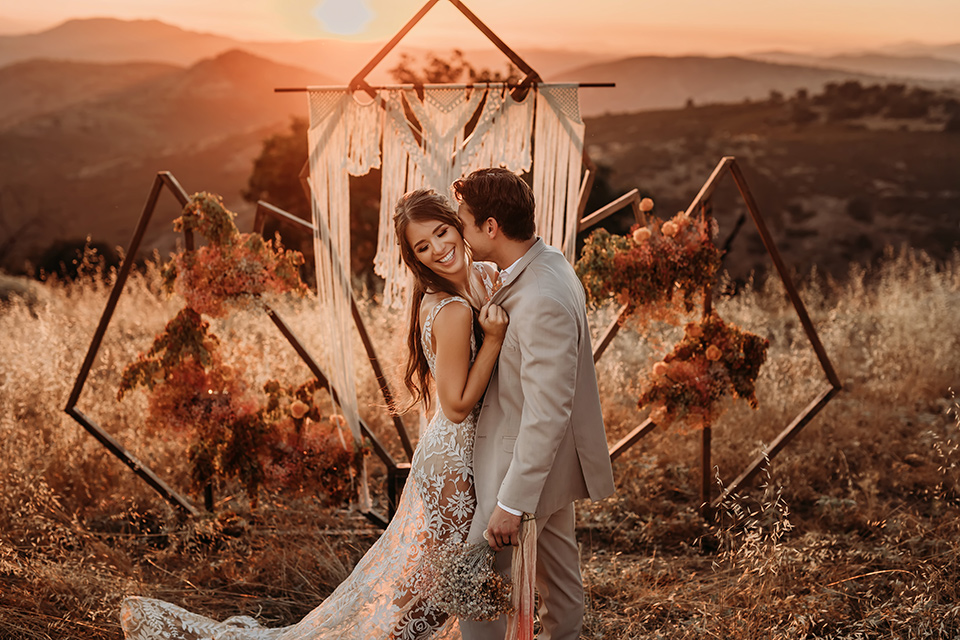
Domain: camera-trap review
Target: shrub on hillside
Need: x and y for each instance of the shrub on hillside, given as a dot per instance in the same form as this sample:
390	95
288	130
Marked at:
72	259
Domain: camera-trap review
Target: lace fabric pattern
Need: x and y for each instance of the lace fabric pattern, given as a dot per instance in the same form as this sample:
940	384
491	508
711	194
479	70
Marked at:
380	599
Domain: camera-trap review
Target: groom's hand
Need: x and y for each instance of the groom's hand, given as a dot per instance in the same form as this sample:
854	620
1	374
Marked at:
503	530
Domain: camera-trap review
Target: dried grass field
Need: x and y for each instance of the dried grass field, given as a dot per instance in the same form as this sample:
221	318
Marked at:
853	533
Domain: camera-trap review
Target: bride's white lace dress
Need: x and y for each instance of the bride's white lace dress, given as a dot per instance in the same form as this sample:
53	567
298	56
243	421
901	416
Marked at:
380	599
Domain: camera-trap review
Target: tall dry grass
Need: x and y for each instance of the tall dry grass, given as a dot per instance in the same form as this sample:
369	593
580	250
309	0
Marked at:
854	532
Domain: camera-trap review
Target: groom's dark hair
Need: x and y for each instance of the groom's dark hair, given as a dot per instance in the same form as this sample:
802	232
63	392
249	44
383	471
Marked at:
502	195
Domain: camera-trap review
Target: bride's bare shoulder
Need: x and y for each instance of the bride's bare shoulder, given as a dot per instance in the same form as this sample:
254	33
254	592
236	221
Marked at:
431	300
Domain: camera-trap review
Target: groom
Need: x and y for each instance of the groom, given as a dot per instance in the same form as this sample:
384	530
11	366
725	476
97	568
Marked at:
540	442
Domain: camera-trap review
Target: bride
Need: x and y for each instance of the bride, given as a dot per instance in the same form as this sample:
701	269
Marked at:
383	597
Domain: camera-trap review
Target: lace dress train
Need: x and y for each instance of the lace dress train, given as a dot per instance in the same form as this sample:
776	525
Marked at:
380	599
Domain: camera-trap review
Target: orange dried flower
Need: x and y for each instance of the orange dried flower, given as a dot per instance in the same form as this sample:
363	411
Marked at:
641	235
298	409
713	353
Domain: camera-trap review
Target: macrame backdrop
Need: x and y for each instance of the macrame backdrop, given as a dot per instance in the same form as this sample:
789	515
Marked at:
440	153
343	139
347	138
558	157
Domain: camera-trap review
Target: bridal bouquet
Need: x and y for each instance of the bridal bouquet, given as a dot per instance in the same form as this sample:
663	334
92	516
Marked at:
461	579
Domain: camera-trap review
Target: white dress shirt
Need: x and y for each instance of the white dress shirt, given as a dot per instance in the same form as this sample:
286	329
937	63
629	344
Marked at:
504	276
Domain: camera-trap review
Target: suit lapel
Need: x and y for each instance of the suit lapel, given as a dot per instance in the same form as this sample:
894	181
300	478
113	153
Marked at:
531	255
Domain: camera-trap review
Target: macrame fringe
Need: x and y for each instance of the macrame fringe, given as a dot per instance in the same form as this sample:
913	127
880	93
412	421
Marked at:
523	569
558	158
440	154
504	136
340	144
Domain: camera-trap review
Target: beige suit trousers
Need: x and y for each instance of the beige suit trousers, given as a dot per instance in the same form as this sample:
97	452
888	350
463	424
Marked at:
558	582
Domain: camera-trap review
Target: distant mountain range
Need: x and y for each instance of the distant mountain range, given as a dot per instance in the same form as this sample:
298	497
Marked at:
944	51
113	40
647	82
944	67
92	109
655	82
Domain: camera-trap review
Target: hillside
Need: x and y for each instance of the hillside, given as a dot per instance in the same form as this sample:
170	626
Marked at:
949	51
113	40
925	67
657	82
86	168
37	87
832	190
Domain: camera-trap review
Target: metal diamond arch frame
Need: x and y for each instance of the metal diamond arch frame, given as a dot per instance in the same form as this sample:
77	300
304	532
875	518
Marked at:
163	179
727	165
395	470
531	77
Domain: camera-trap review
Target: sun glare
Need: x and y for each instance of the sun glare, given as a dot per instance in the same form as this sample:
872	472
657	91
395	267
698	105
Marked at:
344	17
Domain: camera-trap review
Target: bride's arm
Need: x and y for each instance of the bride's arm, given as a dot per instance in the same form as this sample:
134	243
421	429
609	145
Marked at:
460	386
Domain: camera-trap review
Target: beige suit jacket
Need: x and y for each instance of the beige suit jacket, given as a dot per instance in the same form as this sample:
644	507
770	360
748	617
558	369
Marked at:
540	441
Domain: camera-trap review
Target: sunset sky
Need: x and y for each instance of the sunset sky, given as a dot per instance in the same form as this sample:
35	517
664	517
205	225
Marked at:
610	26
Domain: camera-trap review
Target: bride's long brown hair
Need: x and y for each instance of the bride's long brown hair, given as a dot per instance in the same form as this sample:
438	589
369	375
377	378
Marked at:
421	205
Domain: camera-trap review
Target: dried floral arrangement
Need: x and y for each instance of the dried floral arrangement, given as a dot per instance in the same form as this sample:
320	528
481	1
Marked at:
306	449
657	271
277	439
660	272
712	359
234	269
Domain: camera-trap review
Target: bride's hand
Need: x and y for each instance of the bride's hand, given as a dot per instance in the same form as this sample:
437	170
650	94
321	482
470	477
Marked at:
493	321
